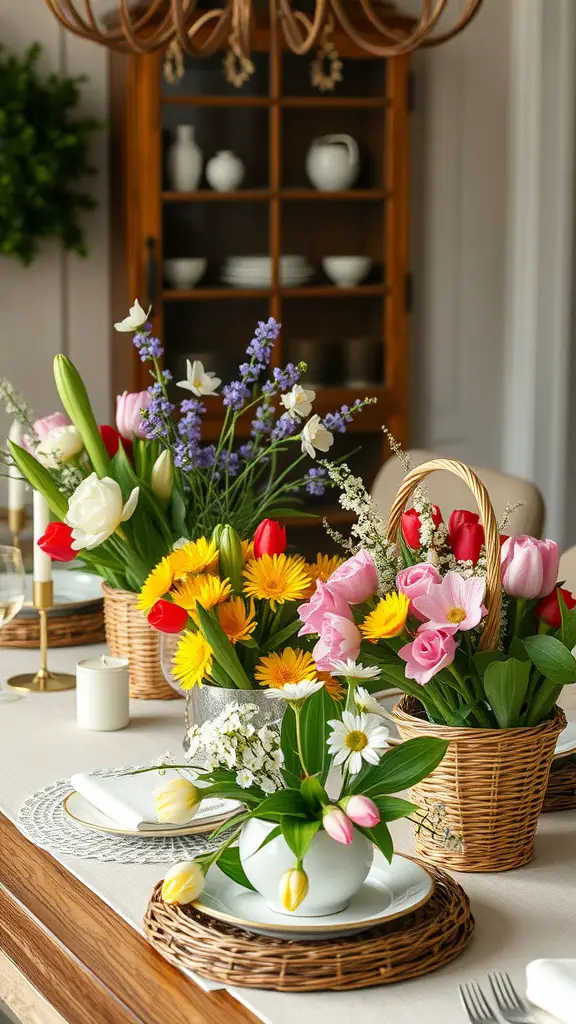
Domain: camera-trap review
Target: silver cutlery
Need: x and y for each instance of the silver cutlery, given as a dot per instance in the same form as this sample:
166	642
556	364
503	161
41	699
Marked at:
512	1008
476	1005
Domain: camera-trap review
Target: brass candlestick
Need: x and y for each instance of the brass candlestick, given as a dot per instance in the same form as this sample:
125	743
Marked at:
43	681
16	523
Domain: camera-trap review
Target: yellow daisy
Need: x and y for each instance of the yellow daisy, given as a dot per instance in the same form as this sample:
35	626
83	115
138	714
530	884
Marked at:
192	661
289	667
276	578
195	557
322	569
247	550
331	685
388	618
156	585
205	590
237	621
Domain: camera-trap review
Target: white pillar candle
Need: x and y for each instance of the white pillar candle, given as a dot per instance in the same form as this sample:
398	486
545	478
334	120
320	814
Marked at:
16	485
42	561
102	702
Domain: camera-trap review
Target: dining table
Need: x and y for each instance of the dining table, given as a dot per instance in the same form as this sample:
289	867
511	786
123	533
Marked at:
72	943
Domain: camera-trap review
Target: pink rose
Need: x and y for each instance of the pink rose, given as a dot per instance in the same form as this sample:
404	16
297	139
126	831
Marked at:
415	581
129	408
355	580
45	425
339	640
323	602
529	566
430	651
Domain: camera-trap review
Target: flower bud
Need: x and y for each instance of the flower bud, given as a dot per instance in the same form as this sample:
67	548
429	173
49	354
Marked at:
529	566
361	810
183	882
57	542
231	559
129	406
269	538
167	617
217	533
411	525
74	398
337	825
163	477
176	801
293	888
548	609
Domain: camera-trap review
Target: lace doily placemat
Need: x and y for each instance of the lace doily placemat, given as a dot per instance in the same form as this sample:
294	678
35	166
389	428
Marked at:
44	822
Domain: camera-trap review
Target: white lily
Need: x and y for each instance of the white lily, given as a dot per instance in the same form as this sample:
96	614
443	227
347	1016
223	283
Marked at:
295	691
352	670
298	402
198	380
315	437
137	318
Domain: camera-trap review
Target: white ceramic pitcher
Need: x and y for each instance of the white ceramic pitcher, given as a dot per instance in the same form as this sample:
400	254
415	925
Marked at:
333	162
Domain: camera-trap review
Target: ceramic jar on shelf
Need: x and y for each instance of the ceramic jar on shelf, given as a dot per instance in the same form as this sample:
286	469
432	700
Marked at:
225	171
333	163
184	160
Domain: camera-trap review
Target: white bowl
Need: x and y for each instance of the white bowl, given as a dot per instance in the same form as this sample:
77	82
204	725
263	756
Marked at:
346	271
184	273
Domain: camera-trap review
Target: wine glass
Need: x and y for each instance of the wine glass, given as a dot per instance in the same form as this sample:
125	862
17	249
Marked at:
12	592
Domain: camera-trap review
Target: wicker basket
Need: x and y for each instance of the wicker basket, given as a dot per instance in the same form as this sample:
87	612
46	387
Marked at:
63	630
491	782
128	635
561	791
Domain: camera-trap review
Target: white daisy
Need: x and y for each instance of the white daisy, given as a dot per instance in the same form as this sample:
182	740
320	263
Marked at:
366	702
244	778
357	738
295	691
352	670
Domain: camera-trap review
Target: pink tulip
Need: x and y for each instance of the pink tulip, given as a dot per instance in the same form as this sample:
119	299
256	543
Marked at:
43	427
355	580
431	651
337	825
339	640
361	810
415	581
323	602
529	566
129	406
455	603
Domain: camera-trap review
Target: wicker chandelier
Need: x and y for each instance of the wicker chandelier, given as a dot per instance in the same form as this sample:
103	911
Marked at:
136	27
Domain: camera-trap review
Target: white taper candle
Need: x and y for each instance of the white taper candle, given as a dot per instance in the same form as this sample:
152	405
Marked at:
16	485
42	561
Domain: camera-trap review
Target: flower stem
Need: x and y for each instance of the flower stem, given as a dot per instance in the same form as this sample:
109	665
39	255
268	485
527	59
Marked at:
296	710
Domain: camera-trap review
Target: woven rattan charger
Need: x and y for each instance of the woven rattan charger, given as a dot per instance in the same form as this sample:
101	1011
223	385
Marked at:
64	630
411	945
561	789
491	782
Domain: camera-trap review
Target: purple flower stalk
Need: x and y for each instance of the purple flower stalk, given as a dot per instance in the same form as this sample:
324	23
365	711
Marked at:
285	427
146	345
235	395
314	481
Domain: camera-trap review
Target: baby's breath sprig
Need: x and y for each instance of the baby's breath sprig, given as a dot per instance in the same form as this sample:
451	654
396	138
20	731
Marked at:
509	509
16	405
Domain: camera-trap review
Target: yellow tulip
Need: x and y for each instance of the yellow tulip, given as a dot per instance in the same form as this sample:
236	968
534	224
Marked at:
183	883
293	888
176	801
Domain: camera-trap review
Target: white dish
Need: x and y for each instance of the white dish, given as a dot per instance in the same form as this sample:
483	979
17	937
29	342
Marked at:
566	743
346	271
72	591
184	273
390	891
84	813
259	263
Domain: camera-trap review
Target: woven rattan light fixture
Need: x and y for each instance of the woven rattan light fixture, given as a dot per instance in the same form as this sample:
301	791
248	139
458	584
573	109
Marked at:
136	27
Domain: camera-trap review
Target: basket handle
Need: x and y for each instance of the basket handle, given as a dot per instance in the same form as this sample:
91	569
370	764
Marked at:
491	631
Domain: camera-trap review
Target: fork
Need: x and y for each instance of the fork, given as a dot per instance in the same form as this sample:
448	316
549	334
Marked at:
512	1008
476	1005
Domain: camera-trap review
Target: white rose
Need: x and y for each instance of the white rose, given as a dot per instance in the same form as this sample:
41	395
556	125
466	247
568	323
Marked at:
136	319
316	437
298	402
60	445
95	511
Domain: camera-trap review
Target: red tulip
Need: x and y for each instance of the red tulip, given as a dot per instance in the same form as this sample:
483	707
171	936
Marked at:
461	517
548	609
411	525
168	617
57	542
112	438
467	541
269	538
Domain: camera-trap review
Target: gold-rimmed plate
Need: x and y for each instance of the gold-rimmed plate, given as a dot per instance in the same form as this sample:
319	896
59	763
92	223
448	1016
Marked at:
85	813
390	891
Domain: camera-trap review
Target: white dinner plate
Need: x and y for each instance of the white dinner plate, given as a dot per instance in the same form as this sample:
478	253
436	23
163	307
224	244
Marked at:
566	743
84	813
389	891
72	590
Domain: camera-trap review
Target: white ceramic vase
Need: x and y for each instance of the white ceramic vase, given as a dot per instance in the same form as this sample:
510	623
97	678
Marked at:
225	171
333	163
335	871
184	160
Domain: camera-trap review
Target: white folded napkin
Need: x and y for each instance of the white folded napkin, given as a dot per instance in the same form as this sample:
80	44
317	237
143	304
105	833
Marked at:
551	985
129	801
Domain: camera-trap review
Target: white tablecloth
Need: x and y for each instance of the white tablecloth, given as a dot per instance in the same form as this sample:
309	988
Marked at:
520	915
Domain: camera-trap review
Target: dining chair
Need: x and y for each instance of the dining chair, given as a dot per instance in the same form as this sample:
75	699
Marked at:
449	492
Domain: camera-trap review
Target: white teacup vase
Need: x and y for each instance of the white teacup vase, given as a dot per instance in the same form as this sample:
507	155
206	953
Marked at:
335	871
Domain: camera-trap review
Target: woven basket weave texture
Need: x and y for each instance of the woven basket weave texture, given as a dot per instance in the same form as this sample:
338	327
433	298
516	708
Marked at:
129	635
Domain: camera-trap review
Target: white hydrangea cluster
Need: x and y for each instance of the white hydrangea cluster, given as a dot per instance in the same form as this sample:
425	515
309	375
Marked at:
232	741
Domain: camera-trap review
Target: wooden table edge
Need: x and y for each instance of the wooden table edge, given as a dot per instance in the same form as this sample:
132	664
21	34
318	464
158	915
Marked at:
89	964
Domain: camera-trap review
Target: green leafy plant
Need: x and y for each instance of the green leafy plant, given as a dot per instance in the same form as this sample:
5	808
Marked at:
43	155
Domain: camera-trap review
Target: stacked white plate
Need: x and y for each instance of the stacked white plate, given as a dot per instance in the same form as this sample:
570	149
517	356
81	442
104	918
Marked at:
256	271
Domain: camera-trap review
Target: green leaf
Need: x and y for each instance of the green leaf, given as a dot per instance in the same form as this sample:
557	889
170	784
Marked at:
233	822
299	834
285	801
292	769
314	717
392	807
402	767
551	658
380	836
314	793
229	863
276	831
224	652
282	635
505	685
482	659
517	649
568	628
39	478
231	791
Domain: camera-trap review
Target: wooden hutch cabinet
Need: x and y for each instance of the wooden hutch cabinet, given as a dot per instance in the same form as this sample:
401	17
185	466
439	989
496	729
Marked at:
355	339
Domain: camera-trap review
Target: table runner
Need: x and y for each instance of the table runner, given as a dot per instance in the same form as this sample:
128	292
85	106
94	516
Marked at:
520	915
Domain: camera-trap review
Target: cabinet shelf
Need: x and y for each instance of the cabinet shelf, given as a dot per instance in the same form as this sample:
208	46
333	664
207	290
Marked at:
313	291
331	291
207	195
310	102
255	195
200	294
